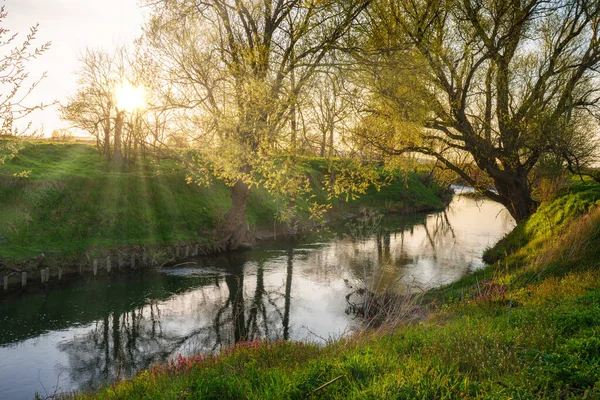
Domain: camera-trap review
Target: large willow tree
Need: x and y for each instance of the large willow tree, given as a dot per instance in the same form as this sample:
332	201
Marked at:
235	69
501	85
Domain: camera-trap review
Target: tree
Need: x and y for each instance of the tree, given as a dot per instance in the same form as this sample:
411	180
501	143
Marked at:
91	108
330	106
14	77
233	64
107	103
502	84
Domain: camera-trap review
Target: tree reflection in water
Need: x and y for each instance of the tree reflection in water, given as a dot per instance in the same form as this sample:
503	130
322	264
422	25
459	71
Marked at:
122	343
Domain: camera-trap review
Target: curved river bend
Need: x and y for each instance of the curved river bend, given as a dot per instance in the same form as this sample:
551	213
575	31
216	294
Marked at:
89	334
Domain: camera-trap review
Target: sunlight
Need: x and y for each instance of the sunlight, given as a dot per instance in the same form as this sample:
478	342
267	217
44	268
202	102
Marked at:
129	97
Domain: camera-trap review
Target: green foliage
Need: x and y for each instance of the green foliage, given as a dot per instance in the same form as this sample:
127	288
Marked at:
551	216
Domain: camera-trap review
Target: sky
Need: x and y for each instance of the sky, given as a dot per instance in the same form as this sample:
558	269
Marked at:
71	26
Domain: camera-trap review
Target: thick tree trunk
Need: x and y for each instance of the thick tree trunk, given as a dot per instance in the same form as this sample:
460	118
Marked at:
516	195
235	227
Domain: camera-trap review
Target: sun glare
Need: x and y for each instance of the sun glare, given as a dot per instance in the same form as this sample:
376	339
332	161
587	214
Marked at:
129	97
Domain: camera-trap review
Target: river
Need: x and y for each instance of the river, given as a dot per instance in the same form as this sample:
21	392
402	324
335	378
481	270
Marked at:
87	334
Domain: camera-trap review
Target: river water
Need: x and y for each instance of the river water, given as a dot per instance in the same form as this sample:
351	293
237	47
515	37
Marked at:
98	330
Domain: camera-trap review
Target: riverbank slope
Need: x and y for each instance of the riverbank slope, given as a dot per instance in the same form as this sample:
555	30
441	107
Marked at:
527	326
62	205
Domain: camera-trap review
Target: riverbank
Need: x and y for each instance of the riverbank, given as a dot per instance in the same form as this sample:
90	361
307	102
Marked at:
527	326
64	210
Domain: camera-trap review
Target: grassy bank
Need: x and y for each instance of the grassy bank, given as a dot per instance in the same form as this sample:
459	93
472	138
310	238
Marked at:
65	201
528	326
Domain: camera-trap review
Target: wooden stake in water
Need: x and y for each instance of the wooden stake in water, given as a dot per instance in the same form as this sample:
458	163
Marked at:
108	264
95	266
120	260
23	279
43	275
132	262
177	251
196	250
187	251
5	282
59	274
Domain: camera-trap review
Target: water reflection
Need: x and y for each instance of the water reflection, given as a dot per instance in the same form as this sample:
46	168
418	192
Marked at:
89	334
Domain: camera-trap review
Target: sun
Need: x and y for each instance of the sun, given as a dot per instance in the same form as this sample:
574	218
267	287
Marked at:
129	97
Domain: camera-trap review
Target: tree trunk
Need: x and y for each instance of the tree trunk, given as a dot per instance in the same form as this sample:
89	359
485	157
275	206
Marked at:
294	127
331	130
293	110
135	151
323	143
117	155
516	195
107	140
99	148
235	227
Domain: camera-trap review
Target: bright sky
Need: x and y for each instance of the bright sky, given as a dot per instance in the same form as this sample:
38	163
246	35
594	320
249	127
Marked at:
71	26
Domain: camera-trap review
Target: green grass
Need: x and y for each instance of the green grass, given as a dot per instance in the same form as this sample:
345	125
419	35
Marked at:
525	327
71	203
550	219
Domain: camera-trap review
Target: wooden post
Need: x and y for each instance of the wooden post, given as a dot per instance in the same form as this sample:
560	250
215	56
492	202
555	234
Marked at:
47	274
59	274
5	282
80	269
43	275
187	251
176	251
108	265
95	267
132	262
120	260
23	279
196	250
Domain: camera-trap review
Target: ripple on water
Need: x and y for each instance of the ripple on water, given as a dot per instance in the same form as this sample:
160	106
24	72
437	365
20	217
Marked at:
189	272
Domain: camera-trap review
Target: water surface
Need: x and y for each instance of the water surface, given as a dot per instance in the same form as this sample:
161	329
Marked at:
97	330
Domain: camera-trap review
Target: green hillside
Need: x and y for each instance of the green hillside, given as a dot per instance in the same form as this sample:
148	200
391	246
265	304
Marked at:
65	201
